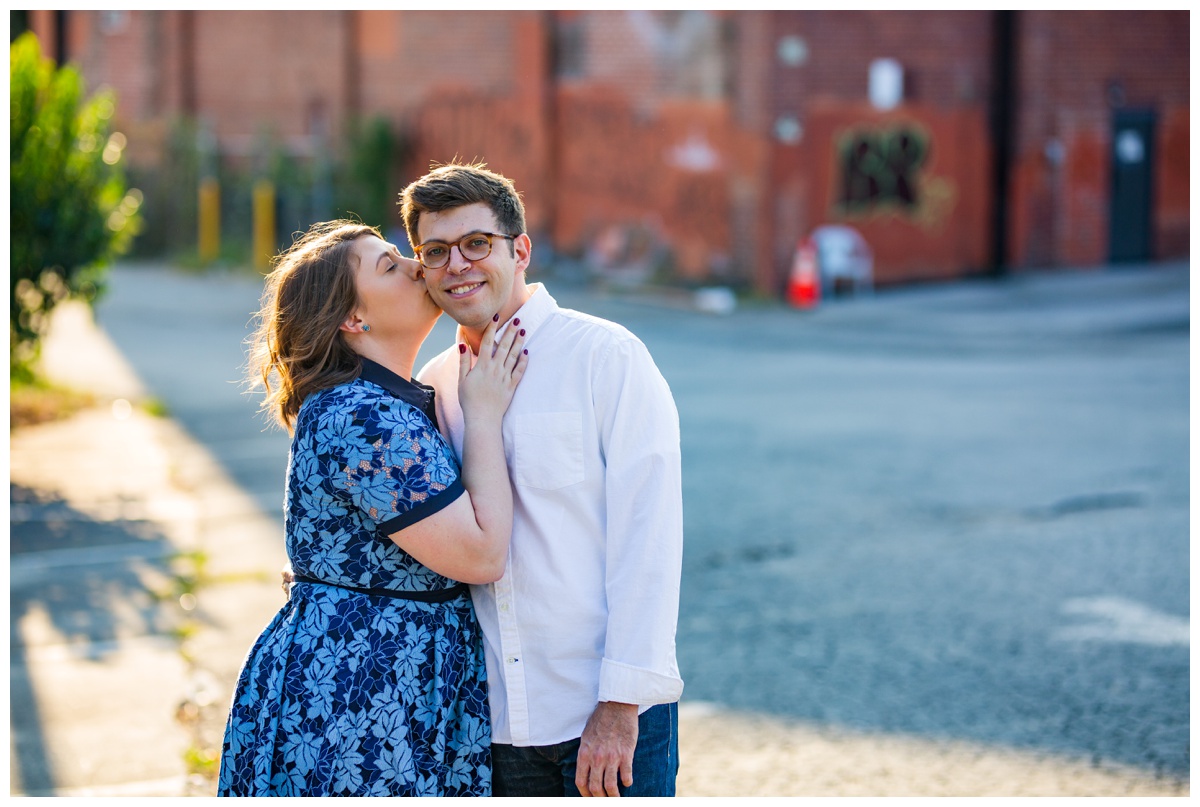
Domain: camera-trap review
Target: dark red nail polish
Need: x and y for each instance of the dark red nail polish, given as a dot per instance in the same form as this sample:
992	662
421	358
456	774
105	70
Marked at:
496	318
516	322
525	351
462	348
522	332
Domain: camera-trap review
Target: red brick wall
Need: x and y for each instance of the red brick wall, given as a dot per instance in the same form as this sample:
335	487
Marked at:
405	57
667	172
1074	69
290	74
45	24
620	52
946	54
647	146
1172	201
119	51
946	57
110	48
466	85
252	73
752	185
669	120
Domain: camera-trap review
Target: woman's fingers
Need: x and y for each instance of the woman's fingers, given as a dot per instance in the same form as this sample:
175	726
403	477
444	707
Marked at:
519	368
489	337
506	352
487	382
512	337
464	361
516	356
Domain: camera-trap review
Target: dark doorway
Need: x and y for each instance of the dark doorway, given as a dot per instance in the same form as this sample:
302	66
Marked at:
1132	174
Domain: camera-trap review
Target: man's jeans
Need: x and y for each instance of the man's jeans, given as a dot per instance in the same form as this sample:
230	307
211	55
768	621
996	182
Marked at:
549	770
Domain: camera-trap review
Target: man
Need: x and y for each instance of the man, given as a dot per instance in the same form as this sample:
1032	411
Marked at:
580	631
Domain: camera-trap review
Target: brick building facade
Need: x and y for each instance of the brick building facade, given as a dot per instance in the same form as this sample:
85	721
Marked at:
1081	77
719	139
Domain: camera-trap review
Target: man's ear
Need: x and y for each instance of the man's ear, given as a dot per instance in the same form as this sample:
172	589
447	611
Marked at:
523	248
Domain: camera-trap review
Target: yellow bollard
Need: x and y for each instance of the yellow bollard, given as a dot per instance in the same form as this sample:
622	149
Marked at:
264	223
210	219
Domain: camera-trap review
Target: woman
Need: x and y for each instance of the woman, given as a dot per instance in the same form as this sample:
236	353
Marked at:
370	680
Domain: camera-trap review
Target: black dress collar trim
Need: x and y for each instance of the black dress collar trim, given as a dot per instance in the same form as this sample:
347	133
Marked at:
419	395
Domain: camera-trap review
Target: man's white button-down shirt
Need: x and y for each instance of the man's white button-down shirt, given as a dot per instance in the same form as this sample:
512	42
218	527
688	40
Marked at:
588	605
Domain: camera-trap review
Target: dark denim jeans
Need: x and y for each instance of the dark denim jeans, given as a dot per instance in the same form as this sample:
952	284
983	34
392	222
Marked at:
549	770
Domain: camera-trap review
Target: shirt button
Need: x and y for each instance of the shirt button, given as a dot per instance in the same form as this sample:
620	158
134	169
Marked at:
504	607
512	659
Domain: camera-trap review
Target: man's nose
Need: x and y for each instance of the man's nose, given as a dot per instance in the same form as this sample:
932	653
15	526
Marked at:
456	266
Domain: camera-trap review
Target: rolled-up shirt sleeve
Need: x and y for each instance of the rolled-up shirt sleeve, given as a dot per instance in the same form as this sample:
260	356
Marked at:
639	430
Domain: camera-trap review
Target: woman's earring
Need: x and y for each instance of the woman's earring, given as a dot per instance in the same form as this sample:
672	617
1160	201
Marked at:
366	328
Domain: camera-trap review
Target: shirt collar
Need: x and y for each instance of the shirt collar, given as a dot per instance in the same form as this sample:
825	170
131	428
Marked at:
412	392
536	310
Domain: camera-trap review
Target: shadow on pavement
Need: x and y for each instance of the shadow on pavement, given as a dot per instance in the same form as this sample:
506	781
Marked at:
77	582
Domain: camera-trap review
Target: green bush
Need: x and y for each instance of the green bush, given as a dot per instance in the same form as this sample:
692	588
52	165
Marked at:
168	212
366	186
70	211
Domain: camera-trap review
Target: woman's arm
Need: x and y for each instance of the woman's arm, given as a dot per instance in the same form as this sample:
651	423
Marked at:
468	539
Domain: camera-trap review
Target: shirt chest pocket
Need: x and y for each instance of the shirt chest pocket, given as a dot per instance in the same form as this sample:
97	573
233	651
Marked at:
547	449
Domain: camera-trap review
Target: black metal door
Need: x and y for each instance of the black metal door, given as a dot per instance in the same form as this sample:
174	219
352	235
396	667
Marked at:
1132	172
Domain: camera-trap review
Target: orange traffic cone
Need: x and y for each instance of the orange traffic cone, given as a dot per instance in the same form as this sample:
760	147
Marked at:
804	284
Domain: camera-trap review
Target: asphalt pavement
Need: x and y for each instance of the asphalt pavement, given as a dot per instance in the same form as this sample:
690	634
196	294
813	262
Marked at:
936	538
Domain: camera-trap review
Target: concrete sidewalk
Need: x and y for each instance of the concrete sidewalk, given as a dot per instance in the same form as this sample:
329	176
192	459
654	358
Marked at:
141	574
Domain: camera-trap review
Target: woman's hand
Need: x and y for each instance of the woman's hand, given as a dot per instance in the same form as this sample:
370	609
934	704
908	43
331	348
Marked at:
468	539
485	390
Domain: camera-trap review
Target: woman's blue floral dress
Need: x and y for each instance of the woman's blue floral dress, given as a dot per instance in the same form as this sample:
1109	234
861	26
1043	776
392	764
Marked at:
351	693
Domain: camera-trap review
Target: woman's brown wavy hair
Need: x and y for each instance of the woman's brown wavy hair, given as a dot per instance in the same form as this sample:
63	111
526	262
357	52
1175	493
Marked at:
297	348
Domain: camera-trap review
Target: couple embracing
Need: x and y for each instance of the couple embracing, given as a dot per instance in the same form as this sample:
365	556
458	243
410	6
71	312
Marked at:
485	558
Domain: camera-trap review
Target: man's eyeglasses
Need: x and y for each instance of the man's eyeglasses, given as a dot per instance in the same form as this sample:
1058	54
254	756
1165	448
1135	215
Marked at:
473	247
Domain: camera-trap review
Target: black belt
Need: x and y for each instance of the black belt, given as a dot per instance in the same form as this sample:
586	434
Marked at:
441	595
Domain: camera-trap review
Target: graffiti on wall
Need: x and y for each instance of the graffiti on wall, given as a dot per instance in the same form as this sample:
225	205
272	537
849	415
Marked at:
885	170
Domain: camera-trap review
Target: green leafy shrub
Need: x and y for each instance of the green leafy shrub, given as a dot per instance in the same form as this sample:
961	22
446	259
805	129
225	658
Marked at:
366	185
70	211
169	209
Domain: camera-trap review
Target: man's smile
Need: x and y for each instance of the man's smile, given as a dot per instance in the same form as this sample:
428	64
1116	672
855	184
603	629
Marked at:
464	289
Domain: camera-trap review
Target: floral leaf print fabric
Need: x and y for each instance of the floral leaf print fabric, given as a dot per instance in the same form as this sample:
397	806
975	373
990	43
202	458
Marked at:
347	693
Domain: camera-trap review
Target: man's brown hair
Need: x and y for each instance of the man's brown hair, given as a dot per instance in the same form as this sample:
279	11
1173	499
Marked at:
457	185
